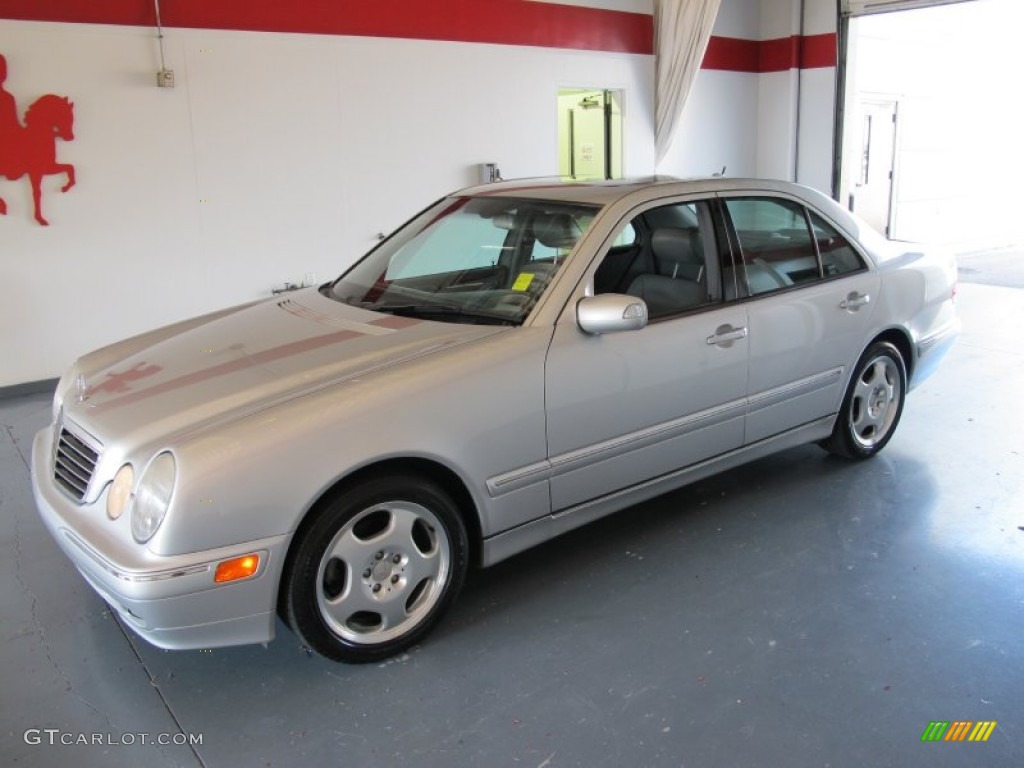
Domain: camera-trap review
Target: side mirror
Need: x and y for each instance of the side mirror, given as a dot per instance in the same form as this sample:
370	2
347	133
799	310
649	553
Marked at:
611	312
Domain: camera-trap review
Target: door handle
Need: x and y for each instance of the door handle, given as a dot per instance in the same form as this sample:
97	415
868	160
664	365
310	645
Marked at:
726	334
855	301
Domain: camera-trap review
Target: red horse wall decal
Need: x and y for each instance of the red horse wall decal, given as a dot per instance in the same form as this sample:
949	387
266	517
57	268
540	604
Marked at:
31	149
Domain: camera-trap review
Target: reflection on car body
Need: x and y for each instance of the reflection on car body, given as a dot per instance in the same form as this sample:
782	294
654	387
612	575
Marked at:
517	360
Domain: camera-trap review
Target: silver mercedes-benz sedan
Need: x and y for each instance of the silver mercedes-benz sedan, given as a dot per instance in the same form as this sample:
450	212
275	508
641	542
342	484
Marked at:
517	360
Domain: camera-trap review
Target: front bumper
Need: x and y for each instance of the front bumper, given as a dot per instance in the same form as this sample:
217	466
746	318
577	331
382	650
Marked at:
172	602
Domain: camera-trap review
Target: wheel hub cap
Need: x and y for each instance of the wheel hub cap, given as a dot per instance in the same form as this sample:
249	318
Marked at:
876	398
383	572
879	400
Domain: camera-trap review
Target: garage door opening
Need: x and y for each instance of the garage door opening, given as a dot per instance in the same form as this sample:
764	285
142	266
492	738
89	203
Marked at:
589	133
931	120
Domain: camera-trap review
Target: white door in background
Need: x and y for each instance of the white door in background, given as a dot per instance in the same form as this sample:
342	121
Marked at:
590	133
876	173
588	138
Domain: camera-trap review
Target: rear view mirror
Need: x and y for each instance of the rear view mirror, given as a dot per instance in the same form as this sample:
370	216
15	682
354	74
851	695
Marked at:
611	312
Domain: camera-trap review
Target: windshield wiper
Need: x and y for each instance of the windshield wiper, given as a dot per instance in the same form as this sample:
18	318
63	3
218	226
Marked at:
442	311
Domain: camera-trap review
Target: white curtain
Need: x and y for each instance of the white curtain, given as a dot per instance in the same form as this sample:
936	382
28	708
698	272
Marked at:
682	29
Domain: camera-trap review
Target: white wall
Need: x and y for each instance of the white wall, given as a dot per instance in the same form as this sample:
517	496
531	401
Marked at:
274	156
718	128
749	122
719	124
817	103
739	18
816	132
280	155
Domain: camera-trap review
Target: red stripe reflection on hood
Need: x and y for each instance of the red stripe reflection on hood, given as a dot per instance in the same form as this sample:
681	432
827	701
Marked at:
232	366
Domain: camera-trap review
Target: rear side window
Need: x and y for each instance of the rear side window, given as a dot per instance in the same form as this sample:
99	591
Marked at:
837	255
775	242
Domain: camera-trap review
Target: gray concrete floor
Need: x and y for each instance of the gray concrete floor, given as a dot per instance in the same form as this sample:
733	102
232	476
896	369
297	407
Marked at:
799	611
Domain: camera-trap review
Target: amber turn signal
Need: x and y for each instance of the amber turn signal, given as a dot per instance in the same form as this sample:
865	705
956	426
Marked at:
237	568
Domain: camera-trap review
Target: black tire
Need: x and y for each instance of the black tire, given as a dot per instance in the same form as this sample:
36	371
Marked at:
376	568
872	406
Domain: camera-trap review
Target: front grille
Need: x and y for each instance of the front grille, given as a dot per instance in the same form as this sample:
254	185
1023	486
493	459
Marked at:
74	462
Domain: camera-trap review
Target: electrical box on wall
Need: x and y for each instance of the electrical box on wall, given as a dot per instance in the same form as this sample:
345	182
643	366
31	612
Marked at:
165	78
489	173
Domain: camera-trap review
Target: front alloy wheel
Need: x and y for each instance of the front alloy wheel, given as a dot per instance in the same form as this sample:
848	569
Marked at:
872	406
374	571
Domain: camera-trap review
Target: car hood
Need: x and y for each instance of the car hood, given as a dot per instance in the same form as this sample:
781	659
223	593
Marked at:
250	359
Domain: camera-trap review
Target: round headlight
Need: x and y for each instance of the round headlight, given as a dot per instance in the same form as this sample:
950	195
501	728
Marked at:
153	497
120	492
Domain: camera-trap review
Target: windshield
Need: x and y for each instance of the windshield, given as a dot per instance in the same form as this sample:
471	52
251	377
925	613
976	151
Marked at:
467	260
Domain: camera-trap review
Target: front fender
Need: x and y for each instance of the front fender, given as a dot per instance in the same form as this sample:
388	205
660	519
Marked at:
478	411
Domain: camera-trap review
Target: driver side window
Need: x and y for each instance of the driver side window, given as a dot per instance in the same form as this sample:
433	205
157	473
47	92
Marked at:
666	256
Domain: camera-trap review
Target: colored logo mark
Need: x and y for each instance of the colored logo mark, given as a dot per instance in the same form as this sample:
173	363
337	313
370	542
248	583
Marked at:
958	730
29	147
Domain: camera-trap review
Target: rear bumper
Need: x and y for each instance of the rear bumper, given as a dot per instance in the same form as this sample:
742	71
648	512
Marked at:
172	602
932	348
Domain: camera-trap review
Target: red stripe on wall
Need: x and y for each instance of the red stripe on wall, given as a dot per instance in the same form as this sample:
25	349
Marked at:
819	51
510	22
732	54
779	55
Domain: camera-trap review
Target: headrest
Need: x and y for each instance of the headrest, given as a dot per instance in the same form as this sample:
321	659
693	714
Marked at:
675	244
555	230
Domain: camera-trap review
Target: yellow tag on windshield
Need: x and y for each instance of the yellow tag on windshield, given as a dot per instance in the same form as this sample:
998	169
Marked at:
523	281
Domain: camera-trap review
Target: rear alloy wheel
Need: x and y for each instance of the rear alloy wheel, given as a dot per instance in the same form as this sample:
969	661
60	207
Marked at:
376	569
872	406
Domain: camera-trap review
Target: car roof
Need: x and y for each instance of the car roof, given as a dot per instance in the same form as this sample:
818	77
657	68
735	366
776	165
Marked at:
605	192
640	190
